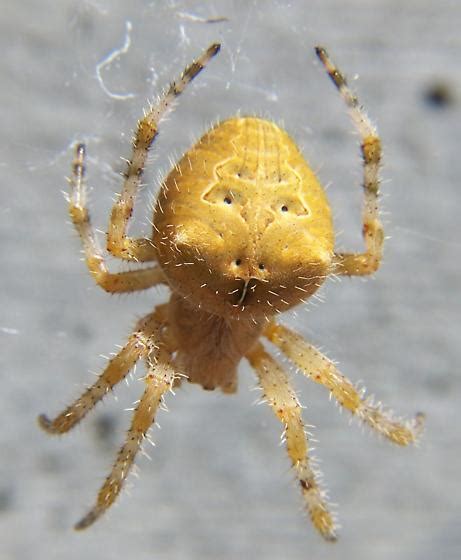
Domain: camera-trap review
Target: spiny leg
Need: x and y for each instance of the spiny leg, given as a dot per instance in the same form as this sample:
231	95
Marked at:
282	398
360	264
117	241
159	379
320	369
115	283
139	345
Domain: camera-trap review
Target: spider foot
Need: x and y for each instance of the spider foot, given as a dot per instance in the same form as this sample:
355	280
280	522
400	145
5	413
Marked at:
46	424
88	519
323	521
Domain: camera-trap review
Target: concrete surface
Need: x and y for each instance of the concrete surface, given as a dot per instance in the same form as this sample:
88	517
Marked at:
219	485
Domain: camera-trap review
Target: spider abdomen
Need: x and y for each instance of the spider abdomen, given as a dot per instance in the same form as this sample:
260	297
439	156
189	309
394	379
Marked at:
242	221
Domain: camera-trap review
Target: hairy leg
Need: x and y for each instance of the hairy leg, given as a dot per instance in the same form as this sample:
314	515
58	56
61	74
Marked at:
140	344
360	264
118	243
282	398
115	283
320	369
159	379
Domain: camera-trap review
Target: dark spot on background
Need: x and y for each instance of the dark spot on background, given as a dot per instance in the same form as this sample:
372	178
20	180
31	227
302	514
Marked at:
6	498
52	462
104	429
439	95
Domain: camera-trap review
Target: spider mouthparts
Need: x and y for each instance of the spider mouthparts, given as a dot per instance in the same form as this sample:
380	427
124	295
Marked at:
248	288
244	293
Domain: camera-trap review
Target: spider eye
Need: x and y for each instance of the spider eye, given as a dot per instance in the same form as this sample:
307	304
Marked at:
290	204
227	200
238	262
261	266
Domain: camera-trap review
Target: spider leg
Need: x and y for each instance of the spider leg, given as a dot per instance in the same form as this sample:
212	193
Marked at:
118	244
159	379
320	369
140	344
282	398
115	283
360	264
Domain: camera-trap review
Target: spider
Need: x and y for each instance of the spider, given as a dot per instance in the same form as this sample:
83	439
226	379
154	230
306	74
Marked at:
242	231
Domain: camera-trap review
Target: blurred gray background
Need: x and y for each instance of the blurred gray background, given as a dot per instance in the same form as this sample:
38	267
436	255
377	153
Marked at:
219	484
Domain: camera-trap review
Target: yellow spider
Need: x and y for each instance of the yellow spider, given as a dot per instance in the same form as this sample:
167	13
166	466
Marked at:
242	231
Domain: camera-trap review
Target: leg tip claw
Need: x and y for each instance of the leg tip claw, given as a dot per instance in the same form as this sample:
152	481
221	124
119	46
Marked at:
87	520
45	423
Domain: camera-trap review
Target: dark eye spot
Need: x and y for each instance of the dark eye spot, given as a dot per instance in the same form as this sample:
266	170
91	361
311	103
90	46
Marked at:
261	266
227	200
238	262
284	208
